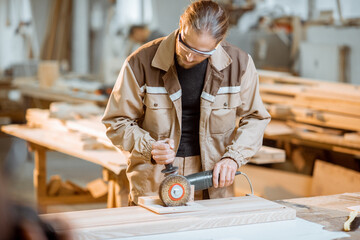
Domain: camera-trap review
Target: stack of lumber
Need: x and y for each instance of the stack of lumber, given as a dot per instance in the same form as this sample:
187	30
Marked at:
86	134
318	111
57	187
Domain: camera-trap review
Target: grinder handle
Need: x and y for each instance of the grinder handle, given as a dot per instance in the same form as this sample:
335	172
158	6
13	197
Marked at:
203	180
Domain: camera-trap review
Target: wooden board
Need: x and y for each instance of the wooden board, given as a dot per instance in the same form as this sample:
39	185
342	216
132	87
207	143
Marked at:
137	221
57	142
272	183
269	155
326	119
333	179
276	128
155	205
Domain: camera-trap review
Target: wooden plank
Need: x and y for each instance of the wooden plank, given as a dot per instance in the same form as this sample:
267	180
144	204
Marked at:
329	211
51	140
272	184
276	128
66	189
274	98
154	204
78	189
137	221
328	102
329	139
268	155
338	202
73	199
352	137
325	119
53	186
97	188
282	89
312	128
333	179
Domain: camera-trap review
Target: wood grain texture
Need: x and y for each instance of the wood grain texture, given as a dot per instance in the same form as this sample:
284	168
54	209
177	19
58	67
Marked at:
153	203
58	142
137	221
330	178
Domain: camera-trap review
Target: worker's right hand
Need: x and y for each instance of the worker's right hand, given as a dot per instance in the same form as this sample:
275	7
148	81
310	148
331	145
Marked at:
163	151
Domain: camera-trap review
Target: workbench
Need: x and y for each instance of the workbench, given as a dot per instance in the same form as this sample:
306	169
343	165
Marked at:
114	163
41	141
139	223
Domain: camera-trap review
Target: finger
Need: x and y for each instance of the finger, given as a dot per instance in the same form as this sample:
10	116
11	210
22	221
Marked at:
232	177
162	162
160	145
168	141
164	159
163	155
223	172
162	152
216	176
229	176
171	142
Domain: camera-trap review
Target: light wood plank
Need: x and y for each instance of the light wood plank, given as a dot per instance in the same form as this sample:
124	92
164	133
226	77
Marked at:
333	179
137	221
53	141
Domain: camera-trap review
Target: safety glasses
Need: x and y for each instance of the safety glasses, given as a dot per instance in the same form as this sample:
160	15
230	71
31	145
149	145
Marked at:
189	49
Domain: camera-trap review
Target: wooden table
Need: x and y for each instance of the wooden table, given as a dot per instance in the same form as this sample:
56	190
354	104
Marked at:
114	163
42	140
329	211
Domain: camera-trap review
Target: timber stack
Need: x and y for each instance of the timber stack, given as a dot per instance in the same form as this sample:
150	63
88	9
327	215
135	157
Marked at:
321	112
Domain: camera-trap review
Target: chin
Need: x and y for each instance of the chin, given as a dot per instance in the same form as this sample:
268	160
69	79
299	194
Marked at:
186	64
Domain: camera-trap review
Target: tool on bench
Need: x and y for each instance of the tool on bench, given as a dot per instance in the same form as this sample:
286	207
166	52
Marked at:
175	190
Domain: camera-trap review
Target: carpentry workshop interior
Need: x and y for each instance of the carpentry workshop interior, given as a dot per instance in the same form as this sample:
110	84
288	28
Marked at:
179	119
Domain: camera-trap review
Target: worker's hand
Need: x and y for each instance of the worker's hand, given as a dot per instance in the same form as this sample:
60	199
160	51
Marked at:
163	151
224	173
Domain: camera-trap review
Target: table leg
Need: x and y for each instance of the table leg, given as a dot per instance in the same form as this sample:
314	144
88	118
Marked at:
118	188
40	174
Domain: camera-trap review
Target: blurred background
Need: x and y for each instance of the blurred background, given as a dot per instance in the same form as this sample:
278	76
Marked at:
305	37
71	51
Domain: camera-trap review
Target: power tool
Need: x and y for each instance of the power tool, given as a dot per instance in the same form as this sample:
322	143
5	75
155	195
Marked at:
175	190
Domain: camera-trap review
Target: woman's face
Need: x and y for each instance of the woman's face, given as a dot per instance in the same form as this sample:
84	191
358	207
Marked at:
189	45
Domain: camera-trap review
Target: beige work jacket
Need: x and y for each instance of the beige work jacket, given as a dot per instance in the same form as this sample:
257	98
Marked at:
145	106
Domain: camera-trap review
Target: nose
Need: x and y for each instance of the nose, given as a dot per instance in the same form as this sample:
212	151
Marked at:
189	57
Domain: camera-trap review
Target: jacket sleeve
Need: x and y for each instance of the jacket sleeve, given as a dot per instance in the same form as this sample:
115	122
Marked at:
124	108
253	119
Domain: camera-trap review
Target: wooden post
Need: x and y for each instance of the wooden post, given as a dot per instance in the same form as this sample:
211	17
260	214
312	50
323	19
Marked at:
118	188
40	174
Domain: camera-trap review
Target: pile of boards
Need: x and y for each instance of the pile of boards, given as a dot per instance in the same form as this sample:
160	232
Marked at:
318	111
81	121
57	187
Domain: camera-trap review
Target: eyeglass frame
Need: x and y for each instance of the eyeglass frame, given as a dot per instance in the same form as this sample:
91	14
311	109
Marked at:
198	52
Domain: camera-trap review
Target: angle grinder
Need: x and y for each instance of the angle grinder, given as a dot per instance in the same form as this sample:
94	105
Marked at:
175	190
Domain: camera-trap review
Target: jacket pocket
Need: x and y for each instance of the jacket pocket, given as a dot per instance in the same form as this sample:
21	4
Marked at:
223	113
158	115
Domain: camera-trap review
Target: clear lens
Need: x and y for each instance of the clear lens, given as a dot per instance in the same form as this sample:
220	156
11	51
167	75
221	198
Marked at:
188	50
195	52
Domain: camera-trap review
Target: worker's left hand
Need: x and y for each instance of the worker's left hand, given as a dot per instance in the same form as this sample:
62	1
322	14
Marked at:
224	173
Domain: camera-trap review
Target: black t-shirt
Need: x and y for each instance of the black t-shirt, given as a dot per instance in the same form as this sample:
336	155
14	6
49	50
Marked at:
192	83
